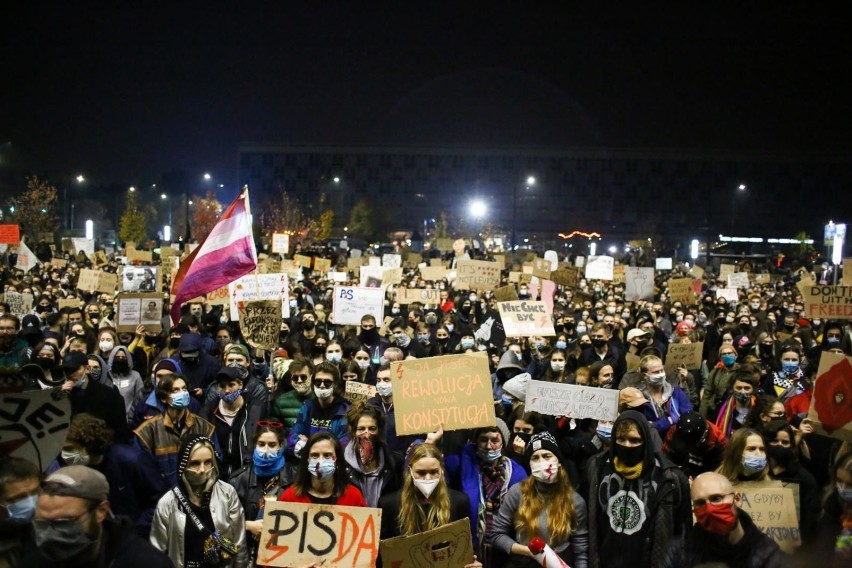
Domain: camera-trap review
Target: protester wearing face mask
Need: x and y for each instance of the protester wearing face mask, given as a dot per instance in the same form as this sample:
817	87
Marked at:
601	375
667	402
604	350
199	366
321	475
723	533
719	383
262	480
638	500
383	402
694	444
334	353
19	489
555	370
147	405
327	411
546	506
13	349
200	521
235	418
162	434
370	338
48	359
735	409
295	388
73	526
790	380
125	379
745	457
372	467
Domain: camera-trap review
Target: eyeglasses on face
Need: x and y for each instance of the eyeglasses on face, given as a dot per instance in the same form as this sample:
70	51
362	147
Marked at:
324	384
270	424
299	378
714	499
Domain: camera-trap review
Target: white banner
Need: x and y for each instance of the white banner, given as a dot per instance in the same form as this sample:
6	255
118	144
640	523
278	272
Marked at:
352	303
573	401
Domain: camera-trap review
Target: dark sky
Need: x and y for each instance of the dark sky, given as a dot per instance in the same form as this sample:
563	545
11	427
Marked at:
125	94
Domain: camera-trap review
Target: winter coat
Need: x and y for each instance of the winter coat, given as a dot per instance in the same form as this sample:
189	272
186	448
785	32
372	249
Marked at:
305	426
717	387
129	384
159	437
285	407
351	497
235	439
389	478
754	550
675	403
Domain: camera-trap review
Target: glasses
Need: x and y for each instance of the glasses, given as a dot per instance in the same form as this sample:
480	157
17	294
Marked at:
299	378
6	329
270	424
714	499
43	524
324	384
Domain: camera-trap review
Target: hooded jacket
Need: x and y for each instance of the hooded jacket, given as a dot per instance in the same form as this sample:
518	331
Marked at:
305	424
638	522
675	402
508	367
389	478
170	519
129	384
202	370
237	438
104	379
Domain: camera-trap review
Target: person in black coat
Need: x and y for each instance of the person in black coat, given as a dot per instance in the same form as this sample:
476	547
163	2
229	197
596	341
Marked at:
91	397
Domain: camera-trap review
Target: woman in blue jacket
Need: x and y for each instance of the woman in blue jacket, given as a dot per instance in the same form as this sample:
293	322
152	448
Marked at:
666	401
325	412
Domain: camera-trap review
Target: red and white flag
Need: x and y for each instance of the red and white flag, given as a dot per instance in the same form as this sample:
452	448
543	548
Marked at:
226	254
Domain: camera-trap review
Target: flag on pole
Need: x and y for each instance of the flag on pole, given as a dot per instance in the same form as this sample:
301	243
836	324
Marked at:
226	254
27	260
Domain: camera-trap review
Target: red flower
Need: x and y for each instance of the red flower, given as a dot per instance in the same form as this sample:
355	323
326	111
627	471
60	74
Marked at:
833	396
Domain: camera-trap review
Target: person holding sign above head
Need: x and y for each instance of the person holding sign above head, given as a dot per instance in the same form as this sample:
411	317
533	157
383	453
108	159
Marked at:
724	534
322	477
425	501
546	506
325	412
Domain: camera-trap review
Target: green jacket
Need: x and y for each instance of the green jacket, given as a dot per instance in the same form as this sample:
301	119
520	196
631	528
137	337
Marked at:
16	356
717	387
285	408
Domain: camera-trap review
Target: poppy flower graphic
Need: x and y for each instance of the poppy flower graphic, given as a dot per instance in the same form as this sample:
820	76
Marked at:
833	396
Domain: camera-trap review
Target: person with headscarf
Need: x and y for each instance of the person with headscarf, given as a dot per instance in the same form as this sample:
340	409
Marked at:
200	522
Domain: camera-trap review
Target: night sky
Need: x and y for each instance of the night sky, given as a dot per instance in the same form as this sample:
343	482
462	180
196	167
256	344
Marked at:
126	94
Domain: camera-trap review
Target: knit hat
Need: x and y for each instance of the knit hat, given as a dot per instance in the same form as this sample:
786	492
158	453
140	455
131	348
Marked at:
517	386
543	441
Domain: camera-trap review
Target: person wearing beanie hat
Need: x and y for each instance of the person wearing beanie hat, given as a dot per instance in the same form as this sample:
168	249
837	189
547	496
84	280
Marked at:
200	522
544	505
639	507
73	526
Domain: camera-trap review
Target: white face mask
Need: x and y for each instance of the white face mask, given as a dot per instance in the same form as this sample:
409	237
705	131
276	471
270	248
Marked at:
384	389
363	364
323	393
426	486
557	365
545	470
106	346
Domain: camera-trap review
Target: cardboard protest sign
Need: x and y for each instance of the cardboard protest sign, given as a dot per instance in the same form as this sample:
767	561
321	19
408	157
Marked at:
141	279
574	401
167	252
506	294
730	294
33	426
322	264
97	280
19	304
846	279
299	534
477	275
826	302
830	412
391	276
680	290
412	259
696	271
738	280
444	244
219	297
392	260
762	278
374	261
437	262
453	390
448	546
514	276
254	287
565	276
525	318
618	274
143	256
773	508
10	234
302	260
726	270
500	259
423	295
638	283
686	354
134	310
433	273
260	322
542	268
359	392
350	303
59	262
372	275
68	303
280	243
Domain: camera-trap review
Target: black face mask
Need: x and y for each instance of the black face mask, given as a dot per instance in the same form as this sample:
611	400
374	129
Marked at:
282	336
369	335
155	341
174	342
120	366
780	454
308	325
629	456
598	342
45	362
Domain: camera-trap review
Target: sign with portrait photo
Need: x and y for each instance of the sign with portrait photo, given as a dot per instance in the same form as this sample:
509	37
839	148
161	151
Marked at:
134	310
140	279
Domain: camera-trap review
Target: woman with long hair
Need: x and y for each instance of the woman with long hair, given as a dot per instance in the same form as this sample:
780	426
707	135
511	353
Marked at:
744	458
372	467
835	527
766	408
321	476
200	522
544	505
425	501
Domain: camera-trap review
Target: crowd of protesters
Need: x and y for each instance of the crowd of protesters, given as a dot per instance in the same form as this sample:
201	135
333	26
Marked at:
180	433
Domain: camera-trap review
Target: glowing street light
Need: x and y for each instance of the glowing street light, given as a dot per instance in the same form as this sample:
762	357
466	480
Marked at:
80	178
207	177
531	180
742	187
90	229
132	189
477	208
336	180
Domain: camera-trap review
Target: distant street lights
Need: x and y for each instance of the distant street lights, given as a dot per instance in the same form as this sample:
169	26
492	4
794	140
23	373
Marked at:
530	183
740	189
477	208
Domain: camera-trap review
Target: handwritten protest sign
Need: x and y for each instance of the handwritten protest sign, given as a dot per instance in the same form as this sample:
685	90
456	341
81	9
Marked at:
525	319
359	392
506	294
33	426
260	322
773	508
139	309
686	354
738	280
219	297
19	304
299	534
831	404
730	294
97	280
322	264
142	256
10	234
696	271
477	275
846	280
448	546
423	295
826	302
280	243
574	401
302	260
542	268
453	390
59	262
433	273
392	260
566	276
638	283
350	303
67	303
391	276
618	274
680	290
726	270
254	287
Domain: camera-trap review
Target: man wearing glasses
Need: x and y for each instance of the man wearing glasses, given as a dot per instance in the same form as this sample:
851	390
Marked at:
285	407
73	526
724	533
13	349
325	411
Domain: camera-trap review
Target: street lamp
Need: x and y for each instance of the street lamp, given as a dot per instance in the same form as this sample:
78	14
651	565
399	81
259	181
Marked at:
165	197
207	177
530	183
740	189
80	178
477	208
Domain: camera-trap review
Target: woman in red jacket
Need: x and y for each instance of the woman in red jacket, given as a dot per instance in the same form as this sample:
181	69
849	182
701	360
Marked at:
321	476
